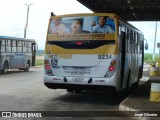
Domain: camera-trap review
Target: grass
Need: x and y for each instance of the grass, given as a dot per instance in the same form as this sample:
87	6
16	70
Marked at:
39	60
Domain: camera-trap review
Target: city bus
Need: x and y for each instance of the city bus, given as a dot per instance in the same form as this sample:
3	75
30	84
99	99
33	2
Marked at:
95	51
16	53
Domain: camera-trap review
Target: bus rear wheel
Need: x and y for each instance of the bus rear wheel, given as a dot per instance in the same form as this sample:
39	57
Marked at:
69	90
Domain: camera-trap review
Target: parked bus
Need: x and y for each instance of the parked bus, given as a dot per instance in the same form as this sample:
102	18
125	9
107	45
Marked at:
96	51
16	53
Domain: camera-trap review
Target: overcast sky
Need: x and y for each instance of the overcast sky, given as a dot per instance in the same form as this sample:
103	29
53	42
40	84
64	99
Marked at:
13	18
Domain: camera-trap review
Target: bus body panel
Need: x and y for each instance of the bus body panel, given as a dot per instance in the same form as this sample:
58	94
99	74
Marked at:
89	66
15	60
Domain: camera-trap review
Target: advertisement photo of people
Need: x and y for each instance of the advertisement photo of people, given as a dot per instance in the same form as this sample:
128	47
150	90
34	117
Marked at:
84	24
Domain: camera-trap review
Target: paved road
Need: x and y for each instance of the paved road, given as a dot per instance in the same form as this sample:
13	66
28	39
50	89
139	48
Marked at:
24	91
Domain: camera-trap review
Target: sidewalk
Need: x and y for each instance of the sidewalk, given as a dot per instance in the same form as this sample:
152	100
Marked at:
139	100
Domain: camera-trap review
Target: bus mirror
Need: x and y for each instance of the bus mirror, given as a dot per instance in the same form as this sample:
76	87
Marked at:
146	46
52	14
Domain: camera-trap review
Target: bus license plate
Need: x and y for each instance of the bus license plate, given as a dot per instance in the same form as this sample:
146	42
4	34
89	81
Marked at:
78	70
79	79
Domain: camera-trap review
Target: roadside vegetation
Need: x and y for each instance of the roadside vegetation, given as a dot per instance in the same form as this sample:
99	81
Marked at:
39	57
148	58
39	60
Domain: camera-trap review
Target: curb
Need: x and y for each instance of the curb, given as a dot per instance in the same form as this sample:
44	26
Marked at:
124	108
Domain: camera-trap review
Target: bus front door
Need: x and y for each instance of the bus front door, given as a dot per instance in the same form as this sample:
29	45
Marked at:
33	54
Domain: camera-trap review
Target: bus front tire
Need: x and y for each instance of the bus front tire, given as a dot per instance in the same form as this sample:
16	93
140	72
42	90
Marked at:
27	68
5	68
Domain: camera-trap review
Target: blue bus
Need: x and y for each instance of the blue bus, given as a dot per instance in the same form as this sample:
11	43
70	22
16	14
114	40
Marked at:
16	53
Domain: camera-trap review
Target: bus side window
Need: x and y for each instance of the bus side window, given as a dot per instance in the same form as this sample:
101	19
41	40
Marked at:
8	45
132	41
14	46
3	46
24	46
141	44
138	40
29	47
19	46
128	41
136	43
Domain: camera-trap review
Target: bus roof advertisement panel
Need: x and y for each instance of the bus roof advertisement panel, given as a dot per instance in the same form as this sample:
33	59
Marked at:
81	27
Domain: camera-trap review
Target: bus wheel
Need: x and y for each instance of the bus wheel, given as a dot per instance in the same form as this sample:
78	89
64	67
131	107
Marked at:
69	90
78	91
27	68
135	85
5	68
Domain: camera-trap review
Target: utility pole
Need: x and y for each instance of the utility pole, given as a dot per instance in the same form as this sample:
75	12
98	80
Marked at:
26	26
154	47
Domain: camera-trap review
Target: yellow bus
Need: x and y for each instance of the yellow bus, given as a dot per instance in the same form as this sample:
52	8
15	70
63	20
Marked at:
16	53
95	51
